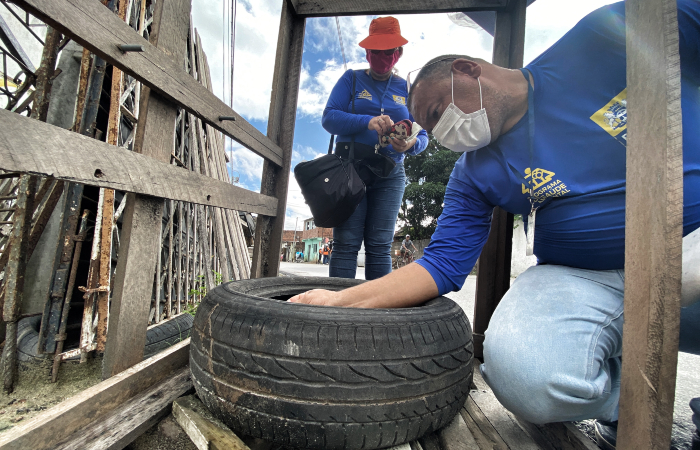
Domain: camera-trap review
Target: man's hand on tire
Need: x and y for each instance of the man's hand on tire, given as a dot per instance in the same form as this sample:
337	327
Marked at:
320	297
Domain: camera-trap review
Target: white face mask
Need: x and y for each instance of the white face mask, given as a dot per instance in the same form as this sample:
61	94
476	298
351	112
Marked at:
462	132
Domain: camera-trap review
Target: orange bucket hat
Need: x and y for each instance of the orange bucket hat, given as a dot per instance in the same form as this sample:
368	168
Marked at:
384	34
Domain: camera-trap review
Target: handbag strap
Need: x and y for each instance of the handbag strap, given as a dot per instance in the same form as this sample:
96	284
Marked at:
352	142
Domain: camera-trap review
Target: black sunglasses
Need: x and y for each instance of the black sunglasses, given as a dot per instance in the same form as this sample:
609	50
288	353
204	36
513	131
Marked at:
391	51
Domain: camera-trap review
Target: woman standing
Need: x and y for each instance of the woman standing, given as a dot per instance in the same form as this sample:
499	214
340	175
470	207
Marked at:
360	117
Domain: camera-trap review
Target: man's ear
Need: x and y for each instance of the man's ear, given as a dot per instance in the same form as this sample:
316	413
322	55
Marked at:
466	67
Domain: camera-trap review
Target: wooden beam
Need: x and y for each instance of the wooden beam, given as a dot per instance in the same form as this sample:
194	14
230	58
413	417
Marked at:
96	28
493	278
143	216
325	8
280	128
54	425
653	225
132	418
47	150
204	430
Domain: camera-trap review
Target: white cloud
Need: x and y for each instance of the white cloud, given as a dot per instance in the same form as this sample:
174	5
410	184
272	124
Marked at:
549	20
296	207
257	25
246	164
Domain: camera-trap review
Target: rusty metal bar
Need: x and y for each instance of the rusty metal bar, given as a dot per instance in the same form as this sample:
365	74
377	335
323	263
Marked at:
44	75
86	330
108	206
85	65
61	336
14	277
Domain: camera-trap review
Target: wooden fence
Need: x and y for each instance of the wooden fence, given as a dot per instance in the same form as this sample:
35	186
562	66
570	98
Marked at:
654	203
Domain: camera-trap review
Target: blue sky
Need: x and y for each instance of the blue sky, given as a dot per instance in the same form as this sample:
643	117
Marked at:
257	21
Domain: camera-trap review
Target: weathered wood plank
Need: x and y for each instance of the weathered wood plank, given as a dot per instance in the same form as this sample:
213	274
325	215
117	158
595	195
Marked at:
325	8
502	420
56	424
517	433
493	278
132	418
142	222
280	128
653	224
456	436
484	433
97	29
47	150
205	431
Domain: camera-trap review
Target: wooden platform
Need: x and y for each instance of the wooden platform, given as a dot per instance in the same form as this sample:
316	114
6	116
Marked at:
484	423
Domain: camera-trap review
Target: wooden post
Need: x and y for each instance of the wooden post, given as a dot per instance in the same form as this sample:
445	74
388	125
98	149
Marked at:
133	284
653	225
280	129
493	278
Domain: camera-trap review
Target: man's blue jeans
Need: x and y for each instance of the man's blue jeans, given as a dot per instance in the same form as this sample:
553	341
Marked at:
373	221
552	351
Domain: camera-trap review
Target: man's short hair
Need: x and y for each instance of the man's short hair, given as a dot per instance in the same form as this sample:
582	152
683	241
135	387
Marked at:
436	68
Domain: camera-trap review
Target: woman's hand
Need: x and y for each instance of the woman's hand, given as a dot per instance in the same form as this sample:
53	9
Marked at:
381	124
320	297
401	145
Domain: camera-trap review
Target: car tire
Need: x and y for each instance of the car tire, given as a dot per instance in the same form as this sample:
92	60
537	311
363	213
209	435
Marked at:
308	376
158	337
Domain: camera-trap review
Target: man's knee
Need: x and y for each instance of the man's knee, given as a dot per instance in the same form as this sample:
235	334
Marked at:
519	381
540	386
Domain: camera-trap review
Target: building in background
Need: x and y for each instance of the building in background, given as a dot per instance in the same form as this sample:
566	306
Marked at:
291	243
312	237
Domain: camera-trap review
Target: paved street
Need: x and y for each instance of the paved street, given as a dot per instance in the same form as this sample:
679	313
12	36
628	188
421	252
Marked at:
687	382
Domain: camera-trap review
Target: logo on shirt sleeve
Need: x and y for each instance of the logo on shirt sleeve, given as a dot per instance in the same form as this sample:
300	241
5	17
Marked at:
364	95
613	117
400	100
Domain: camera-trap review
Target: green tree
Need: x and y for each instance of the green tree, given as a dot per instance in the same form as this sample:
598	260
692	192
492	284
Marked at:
426	176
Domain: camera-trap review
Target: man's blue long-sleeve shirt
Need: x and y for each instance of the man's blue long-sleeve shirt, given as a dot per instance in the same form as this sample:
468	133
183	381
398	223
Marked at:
339	120
580	109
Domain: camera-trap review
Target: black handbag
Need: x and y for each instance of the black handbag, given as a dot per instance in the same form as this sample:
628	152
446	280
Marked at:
331	185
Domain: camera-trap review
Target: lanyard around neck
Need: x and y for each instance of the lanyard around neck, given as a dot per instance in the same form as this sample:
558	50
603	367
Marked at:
386	89
531	141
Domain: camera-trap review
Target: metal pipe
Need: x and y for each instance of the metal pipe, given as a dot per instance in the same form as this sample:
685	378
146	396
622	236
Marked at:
61	337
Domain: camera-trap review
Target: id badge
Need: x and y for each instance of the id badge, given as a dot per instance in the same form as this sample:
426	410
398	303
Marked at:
530	236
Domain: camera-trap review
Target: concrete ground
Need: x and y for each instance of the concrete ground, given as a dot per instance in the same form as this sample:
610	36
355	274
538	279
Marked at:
687	381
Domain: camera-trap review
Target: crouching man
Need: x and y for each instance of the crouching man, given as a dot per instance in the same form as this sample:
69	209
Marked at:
547	141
